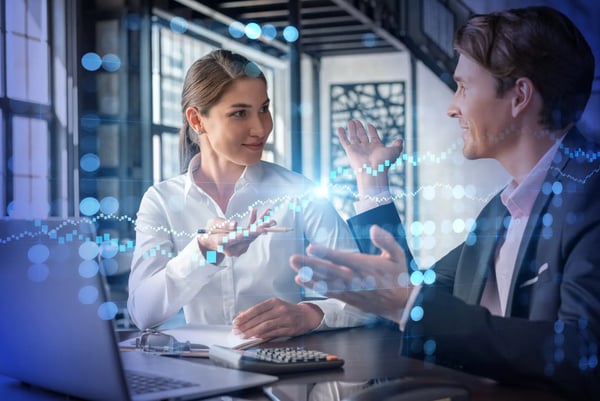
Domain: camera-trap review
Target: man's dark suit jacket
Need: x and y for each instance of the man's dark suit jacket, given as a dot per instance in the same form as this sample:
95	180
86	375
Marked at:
551	334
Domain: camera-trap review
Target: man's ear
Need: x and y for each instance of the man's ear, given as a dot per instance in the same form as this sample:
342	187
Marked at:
194	119
523	93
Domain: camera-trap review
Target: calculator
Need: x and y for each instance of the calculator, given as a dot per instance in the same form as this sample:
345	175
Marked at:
273	360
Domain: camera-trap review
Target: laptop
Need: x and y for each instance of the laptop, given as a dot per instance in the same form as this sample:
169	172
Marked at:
58	324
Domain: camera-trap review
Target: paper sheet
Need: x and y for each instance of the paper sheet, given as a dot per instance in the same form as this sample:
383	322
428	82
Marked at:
202	334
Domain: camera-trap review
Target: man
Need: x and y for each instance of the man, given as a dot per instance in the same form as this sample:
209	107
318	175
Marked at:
519	300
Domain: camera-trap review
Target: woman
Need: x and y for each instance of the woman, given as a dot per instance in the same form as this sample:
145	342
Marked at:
229	274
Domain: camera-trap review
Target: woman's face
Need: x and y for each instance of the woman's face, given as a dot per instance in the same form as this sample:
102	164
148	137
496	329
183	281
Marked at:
237	127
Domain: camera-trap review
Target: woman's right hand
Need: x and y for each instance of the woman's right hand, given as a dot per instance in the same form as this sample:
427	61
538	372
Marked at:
219	238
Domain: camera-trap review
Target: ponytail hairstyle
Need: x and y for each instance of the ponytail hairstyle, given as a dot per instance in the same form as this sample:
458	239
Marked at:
205	82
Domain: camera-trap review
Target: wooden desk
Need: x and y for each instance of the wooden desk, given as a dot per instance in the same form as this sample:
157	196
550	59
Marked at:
370	353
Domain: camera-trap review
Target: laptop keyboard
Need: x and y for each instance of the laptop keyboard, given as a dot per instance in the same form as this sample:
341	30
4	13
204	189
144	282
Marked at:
140	383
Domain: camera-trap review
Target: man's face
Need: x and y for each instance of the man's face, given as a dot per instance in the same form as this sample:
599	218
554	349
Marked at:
484	117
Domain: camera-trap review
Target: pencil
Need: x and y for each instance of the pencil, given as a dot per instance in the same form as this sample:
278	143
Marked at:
274	229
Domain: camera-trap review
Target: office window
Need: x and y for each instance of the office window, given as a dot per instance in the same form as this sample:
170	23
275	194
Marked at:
25	113
30	168
173	53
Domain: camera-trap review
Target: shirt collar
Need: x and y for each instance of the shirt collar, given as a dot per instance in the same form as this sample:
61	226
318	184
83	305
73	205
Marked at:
519	198
251	174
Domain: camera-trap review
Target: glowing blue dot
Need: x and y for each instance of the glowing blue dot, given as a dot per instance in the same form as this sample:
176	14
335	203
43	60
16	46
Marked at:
458	226
38	273
429	276
108	249
305	274
10	208
178	24
593	361
88	294
107	310
236	29
109	205
38	253
583	363
547	219
88	268
253	30
252	70
557	187
369	283
89	162
429	347
109	267
458	192
416	228
369	40
90	121
416	278
416	313
91	61
111	62
88	250
291	34
320	287
546	188
402	279
133	21
559	326
471	239
89	206
429	227
269	32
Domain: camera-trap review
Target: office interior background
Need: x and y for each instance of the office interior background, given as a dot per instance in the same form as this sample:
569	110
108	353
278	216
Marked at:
90	103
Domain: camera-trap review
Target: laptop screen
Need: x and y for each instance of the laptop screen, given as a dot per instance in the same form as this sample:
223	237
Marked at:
57	322
57	329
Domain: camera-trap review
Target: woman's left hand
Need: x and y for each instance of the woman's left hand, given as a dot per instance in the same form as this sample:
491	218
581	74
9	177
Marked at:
277	318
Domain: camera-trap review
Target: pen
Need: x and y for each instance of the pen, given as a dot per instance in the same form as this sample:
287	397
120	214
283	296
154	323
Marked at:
274	229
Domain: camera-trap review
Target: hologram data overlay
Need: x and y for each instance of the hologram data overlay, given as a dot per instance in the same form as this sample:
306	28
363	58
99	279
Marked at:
382	104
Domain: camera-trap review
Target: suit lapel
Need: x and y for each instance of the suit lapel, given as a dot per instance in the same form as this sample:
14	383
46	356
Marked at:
477	260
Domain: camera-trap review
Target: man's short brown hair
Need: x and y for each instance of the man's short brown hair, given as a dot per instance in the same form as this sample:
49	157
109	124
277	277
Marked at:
539	43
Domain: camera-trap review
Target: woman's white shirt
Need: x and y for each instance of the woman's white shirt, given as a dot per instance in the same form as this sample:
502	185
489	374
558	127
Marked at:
169	272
